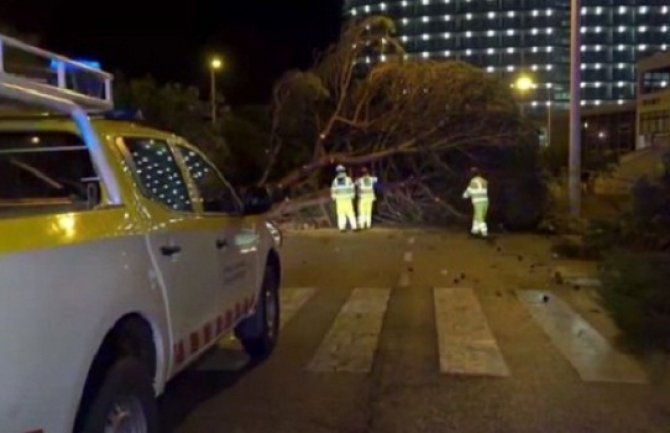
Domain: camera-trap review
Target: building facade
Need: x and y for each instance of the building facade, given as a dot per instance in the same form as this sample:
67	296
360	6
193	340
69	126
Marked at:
510	37
653	106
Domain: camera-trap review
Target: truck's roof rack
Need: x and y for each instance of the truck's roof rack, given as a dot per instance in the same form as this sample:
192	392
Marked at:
78	90
28	71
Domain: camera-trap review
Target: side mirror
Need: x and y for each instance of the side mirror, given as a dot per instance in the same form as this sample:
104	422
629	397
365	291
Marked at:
257	201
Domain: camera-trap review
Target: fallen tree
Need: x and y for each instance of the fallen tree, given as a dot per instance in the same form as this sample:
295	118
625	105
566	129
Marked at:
417	124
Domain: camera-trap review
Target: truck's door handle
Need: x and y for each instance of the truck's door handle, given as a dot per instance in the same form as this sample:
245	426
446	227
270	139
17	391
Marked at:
170	250
221	244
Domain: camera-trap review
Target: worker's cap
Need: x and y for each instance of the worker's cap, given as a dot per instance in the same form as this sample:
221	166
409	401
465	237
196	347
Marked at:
340	168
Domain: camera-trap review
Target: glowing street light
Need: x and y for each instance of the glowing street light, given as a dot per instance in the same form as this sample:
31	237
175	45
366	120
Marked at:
523	84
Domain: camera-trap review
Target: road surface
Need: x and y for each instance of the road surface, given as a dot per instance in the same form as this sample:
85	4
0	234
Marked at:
426	331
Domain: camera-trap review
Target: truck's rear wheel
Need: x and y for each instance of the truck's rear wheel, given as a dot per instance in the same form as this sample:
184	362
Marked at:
125	402
259	333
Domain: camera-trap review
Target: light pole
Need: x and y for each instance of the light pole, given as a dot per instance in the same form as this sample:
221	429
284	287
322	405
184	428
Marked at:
575	159
214	66
550	106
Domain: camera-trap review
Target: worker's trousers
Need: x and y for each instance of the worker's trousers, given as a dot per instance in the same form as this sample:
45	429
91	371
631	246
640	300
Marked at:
479	226
365	205
345	213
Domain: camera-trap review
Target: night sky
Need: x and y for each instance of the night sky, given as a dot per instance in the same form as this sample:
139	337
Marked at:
259	39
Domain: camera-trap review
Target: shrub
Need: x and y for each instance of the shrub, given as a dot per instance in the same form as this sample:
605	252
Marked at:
637	293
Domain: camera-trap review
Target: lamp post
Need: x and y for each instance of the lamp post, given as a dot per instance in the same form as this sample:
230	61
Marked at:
550	106
575	159
214	66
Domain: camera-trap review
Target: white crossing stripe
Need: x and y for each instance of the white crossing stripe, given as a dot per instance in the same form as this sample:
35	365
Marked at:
351	342
466	344
292	300
582	345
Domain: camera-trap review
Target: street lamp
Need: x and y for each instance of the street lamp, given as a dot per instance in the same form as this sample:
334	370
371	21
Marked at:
214	66
524	83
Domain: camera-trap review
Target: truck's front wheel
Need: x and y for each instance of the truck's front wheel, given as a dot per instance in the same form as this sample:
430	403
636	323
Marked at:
125	402
259	333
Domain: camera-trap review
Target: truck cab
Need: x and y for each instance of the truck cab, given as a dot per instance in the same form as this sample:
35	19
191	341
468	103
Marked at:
124	256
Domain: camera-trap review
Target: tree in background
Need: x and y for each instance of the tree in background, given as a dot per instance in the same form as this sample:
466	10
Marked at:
238	144
419	125
173	107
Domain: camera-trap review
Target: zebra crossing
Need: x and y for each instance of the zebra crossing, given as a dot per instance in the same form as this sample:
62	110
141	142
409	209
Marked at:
465	341
466	345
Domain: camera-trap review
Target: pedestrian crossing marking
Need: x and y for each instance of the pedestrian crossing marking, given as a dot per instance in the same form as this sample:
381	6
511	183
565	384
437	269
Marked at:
351	342
466	344
582	345
292	300
465	341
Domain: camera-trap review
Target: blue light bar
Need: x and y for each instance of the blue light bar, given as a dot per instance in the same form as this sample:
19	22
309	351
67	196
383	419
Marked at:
93	64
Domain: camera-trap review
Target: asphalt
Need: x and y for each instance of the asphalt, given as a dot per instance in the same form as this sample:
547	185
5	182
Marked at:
405	390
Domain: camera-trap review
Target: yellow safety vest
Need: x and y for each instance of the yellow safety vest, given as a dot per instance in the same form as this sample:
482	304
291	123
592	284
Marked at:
477	190
342	188
366	186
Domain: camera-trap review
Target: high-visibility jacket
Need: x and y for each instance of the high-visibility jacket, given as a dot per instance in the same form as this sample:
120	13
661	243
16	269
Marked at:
366	186
343	188
477	191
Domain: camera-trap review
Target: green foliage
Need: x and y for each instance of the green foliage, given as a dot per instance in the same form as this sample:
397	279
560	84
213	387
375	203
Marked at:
636	291
247	133
175	108
555	159
523	199
645	227
636	273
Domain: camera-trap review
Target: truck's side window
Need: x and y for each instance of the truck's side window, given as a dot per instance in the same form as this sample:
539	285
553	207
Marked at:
217	195
45	172
158	173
